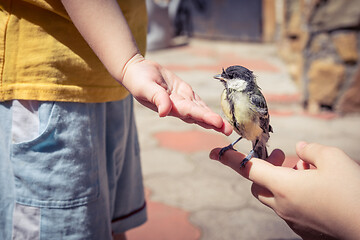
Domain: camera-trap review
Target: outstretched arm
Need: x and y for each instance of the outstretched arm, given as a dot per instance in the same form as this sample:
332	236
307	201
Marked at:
105	29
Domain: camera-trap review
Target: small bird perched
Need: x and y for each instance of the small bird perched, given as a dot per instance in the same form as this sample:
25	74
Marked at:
245	108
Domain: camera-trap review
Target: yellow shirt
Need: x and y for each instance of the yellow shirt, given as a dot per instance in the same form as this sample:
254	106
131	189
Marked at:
43	56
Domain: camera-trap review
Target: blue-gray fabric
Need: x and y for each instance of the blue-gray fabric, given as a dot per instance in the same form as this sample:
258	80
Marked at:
82	172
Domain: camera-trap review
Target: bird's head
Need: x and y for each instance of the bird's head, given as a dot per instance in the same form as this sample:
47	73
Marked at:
237	78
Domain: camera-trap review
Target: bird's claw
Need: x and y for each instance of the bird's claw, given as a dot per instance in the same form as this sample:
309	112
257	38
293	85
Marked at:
224	149
247	158
230	146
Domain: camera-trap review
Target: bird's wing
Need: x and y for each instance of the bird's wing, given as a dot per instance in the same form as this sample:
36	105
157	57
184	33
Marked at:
259	104
260	107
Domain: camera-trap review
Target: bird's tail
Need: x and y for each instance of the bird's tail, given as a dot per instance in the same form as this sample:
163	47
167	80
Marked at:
260	150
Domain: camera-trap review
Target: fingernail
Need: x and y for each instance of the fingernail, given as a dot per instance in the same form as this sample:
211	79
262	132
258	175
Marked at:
301	144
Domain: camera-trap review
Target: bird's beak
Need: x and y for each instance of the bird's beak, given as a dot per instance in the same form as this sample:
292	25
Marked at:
219	77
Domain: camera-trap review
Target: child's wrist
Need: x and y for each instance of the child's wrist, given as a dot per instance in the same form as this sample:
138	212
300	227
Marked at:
136	58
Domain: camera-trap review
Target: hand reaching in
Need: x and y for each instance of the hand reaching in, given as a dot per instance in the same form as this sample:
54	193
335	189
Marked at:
317	203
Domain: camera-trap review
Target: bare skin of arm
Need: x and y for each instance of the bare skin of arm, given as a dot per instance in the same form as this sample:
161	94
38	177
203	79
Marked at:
104	28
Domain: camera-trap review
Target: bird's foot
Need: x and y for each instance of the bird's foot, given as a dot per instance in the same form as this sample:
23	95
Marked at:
224	149
247	158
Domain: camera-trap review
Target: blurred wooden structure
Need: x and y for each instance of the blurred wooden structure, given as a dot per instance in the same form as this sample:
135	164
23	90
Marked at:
320	44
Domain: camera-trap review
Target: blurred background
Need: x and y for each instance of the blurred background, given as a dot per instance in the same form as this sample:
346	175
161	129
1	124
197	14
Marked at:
305	55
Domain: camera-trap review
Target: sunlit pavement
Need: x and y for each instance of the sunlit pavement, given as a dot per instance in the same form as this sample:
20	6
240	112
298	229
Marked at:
192	197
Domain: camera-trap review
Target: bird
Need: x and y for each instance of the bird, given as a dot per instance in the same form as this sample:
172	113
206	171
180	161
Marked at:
245	108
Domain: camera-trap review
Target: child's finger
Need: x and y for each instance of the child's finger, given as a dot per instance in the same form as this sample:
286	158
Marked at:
226	128
216	122
190	112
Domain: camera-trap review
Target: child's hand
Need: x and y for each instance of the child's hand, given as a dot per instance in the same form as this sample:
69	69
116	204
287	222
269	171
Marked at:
160	90
105	29
312	201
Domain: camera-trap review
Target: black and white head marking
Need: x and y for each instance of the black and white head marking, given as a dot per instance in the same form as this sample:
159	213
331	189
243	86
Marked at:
238	78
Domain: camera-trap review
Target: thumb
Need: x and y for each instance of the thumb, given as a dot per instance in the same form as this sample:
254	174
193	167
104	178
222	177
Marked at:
309	152
162	101
157	100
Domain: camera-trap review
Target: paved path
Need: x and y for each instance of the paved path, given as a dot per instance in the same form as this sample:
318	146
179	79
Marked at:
192	197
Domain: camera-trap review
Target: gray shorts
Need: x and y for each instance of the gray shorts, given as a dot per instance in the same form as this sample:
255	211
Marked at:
69	170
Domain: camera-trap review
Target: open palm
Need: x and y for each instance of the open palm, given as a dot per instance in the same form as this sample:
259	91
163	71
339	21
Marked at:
161	90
